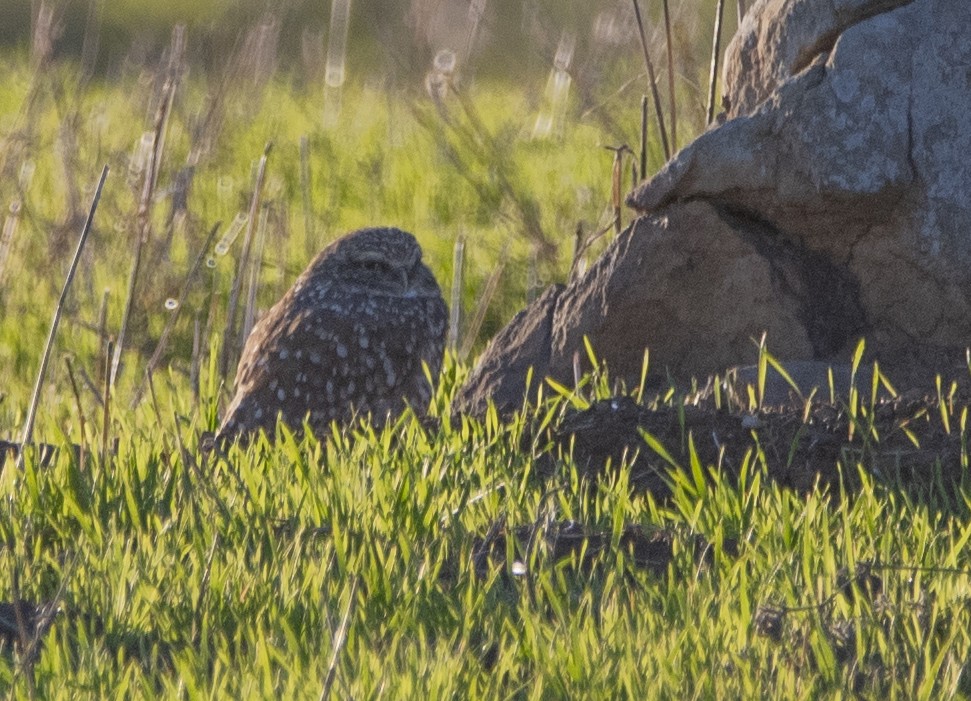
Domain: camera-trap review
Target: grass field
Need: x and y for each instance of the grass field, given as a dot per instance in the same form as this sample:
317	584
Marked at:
387	564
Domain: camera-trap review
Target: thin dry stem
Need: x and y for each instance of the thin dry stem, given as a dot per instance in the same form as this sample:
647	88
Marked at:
28	433
253	282
143	219
653	80
156	358
487	294
672	102
715	51
229	333
455	308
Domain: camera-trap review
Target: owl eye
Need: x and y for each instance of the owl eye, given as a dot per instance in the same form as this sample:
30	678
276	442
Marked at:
376	266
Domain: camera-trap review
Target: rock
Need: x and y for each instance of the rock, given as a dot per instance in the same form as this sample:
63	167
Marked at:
857	158
699	290
833	204
694	286
501	373
779	38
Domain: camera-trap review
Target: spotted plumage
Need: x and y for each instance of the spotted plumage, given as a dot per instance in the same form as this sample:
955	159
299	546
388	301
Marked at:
348	339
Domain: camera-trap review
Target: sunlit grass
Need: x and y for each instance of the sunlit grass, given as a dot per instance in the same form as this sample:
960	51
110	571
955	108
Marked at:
231	575
186	574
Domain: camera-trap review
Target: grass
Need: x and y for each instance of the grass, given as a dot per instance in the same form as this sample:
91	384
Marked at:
385	563
189	575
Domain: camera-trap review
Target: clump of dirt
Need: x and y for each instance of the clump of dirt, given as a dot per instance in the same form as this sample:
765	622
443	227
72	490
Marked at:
905	438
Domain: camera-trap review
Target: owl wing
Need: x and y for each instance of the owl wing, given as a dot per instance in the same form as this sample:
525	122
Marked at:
286	362
326	362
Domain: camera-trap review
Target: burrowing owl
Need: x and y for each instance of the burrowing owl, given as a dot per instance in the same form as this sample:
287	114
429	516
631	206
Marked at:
349	338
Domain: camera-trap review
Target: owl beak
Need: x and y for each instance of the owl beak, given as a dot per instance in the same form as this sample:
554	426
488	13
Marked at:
404	279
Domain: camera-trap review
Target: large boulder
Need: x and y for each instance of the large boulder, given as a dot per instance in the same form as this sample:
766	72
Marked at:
860	157
832	202
693	285
779	38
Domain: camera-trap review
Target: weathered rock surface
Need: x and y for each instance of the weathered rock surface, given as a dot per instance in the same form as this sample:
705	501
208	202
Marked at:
859	158
779	38
696	289
834	203
692	285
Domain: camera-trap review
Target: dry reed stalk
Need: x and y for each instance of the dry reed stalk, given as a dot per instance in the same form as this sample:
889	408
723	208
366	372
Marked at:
102	325
455	308
253	281
672	103
644	137
229	347
492	284
7	236
28	432
106	404
653	80
616	198
81	419
156	358
143	221
305	189
741	10
715	51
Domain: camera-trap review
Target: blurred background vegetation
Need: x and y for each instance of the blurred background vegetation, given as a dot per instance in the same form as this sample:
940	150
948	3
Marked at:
483	126
504	39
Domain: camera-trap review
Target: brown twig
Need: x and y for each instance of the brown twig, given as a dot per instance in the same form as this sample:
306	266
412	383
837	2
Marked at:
143	221
455	309
715	51
616	194
651	78
492	284
672	102
229	333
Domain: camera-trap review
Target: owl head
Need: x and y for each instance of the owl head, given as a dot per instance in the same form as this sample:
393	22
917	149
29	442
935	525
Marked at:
382	261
